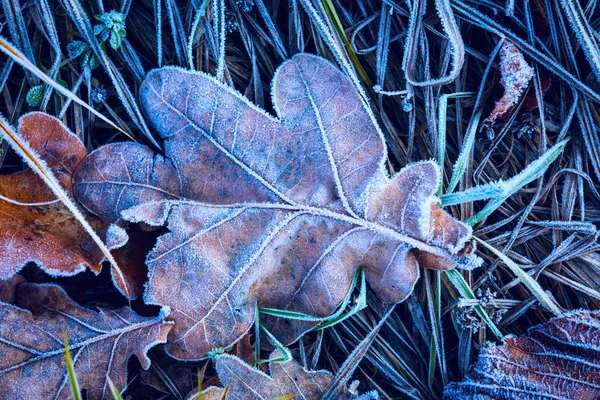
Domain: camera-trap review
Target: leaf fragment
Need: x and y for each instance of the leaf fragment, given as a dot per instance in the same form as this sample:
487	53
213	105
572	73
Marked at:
559	359
516	74
32	362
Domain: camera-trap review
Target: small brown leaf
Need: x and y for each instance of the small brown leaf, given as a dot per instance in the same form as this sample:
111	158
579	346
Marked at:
556	360
286	378
515	76
32	362
8	288
278	212
46	234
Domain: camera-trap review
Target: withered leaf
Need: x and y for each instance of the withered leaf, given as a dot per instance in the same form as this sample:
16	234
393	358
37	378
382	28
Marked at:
286	379
8	288
32	361
275	211
36	226
556	360
47	233
515	76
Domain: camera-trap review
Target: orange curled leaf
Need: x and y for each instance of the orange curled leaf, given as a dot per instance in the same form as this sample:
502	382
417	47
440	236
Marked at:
32	363
556	360
515	76
275	212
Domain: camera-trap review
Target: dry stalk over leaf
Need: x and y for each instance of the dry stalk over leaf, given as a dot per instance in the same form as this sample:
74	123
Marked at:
278	212
32	362
35	226
556	360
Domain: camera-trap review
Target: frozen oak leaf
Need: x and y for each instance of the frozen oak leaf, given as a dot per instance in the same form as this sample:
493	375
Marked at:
36	227
557	360
278	212
34	224
286	380
32	359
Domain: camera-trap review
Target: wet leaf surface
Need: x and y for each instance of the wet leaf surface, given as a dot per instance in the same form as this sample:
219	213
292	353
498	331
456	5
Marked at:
556	360
32	362
278	212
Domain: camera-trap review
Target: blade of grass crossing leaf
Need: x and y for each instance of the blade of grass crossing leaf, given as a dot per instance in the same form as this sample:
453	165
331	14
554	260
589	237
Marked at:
533	171
460	166
22	148
16	55
527	280
113	389
285	353
335	20
73	384
442	114
333	319
465	290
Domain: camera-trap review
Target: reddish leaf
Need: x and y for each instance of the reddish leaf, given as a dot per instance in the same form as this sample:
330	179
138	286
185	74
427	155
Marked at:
48	234
279	212
516	74
32	362
556	360
45	234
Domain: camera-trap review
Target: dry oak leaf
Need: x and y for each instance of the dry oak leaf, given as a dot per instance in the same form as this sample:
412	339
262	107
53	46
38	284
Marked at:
46	233
32	360
278	212
36	227
287	379
556	360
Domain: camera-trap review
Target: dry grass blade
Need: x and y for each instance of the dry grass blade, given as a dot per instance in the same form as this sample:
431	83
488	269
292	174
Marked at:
16	55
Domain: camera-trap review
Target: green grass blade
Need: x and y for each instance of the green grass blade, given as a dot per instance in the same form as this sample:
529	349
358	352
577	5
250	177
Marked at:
465	290
113	389
442	114
533	171
460	166
71	371
310	318
481	192
285	353
527	280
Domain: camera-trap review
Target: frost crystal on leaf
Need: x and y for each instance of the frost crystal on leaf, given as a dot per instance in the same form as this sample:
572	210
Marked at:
278	212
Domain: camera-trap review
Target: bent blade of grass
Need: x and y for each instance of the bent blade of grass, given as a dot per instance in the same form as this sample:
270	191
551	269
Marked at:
113	389
20	58
460	166
533	171
465	290
73	384
442	114
22	148
333	319
527	280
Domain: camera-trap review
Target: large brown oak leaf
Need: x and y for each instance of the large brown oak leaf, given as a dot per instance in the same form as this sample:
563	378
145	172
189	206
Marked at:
278	212
32	355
